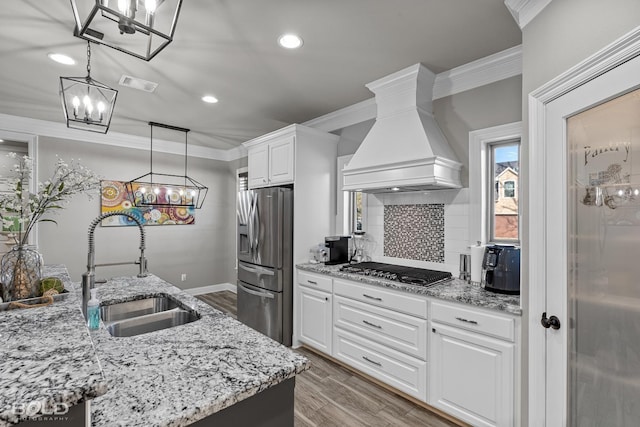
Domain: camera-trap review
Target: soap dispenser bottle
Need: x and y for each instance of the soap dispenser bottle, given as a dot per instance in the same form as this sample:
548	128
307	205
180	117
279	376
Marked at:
93	311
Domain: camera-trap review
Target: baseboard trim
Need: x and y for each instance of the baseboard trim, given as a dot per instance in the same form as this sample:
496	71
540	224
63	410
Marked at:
212	288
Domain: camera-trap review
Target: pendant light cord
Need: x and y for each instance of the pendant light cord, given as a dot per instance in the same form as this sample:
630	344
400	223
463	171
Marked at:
88	60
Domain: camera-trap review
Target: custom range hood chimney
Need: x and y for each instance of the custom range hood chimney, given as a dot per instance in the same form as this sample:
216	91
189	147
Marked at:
405	150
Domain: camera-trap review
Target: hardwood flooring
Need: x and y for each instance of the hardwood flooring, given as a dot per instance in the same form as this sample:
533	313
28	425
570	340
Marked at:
329	395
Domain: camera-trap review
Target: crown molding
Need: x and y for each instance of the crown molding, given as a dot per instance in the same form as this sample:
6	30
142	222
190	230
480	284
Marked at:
344	117
523	11
484	71
59	130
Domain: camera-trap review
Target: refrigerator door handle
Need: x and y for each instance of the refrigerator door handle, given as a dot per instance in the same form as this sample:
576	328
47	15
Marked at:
258	270
256	293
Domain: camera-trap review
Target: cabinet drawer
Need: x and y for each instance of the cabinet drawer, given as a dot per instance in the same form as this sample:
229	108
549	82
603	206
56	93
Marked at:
403	372
393	300
396	330
486	323
318	281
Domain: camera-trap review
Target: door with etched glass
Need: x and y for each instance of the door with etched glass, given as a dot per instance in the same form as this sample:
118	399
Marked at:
593	254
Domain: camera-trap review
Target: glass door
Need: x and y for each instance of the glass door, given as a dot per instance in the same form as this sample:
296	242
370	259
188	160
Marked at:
603	264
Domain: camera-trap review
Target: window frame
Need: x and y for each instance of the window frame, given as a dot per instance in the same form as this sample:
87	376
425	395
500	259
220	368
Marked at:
481	189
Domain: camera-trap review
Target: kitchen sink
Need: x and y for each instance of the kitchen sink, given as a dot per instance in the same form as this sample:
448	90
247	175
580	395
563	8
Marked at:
141	307
152	322
142	316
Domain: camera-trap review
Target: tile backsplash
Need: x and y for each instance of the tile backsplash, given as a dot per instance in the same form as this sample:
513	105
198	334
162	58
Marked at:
455	205
414	232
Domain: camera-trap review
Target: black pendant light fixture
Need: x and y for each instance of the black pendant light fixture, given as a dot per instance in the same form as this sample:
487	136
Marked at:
166	190
141	28
87	103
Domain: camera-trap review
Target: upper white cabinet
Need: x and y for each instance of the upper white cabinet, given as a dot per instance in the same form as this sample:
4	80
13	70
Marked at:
272	162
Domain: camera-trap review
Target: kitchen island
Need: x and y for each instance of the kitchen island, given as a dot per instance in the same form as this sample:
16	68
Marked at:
180	375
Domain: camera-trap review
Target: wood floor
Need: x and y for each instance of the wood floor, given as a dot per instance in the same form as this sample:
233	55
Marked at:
329	395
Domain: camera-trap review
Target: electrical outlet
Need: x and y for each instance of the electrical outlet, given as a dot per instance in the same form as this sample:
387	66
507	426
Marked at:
183	277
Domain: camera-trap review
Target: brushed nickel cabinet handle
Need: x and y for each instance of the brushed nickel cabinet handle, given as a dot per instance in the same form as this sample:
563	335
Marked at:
312	282
473	322
372	324
372	361
373	298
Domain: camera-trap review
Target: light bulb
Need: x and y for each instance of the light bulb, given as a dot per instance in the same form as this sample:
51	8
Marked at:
193	193
89	108
76	104
100	107
636	192
143	190
169	191
124	6
156	190
620	193
181	192
150	5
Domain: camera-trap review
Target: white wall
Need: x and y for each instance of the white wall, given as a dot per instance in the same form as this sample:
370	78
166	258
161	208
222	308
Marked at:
204	251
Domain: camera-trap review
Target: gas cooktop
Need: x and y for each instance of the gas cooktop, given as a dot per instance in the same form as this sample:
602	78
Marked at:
398	273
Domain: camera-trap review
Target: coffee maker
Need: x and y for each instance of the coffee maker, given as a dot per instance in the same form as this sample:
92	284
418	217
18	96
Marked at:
338	247
501	269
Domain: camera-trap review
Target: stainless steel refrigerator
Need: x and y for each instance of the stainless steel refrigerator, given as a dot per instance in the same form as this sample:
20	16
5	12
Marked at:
265	258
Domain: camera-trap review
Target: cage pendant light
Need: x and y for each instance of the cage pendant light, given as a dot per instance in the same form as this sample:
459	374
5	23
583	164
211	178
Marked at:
87	103
166	190
141	28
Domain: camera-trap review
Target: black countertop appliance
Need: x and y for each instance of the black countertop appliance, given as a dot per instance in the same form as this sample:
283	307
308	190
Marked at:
501	269
338	249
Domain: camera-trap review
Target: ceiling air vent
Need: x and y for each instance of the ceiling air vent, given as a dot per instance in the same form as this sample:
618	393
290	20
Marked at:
136	83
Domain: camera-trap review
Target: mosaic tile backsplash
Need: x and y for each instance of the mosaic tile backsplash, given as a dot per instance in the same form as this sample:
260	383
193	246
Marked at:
414	232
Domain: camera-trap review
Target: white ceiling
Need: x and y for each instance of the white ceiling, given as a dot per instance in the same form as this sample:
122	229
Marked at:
228	48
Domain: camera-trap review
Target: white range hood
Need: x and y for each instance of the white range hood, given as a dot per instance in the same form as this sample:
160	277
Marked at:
405	150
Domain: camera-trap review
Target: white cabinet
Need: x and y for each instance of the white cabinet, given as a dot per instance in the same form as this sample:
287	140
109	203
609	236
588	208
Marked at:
272	162
471	373
315	320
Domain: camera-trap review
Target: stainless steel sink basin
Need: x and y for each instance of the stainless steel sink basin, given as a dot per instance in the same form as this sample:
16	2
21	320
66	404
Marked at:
146	315
152	322
141	307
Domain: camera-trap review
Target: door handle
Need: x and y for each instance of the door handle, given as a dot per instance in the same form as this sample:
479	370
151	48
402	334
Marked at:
256	293
258	270
552	322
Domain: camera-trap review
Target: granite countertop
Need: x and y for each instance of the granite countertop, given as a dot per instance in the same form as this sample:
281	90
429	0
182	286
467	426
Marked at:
177	376
47	355
454	290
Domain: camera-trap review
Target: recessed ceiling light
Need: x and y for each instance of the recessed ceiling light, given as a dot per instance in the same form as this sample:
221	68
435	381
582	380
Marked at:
61	58
290	41
210	99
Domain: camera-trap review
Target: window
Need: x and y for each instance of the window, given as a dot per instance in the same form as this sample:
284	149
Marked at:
356	200
351	205
509	189
504	217
494	155
243	181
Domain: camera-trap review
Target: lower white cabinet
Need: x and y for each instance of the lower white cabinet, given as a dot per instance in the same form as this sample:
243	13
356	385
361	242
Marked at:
397	369
472	376
316	321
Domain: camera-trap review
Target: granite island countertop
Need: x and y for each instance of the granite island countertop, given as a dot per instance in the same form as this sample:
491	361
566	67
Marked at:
455	290
47	355
177	376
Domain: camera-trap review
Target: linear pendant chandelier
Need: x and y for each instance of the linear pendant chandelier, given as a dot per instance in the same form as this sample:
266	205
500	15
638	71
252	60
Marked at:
141	28
87	103
166	190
